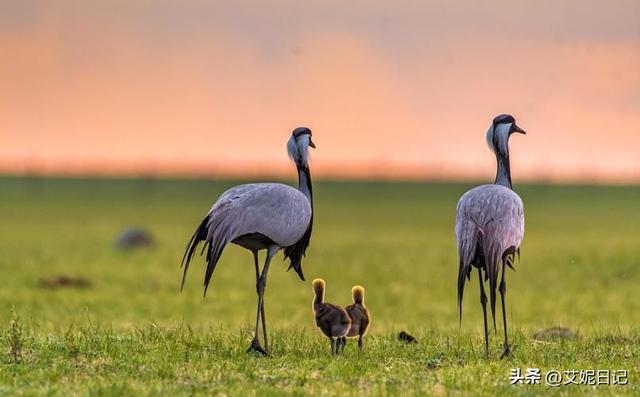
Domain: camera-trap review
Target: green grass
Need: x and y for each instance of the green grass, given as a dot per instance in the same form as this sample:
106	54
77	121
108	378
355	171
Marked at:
133	333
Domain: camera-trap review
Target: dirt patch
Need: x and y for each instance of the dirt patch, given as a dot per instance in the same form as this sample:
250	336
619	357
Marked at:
58	282
554	334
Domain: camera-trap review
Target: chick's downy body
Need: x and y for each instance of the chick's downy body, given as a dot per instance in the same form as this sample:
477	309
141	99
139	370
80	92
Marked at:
332	320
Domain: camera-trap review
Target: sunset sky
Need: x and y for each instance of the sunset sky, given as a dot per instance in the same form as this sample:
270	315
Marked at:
395	89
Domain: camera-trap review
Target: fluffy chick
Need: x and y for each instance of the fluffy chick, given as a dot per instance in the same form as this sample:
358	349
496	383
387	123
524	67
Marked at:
332	319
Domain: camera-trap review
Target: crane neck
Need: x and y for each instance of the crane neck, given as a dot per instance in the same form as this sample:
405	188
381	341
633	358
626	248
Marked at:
503	174
304	182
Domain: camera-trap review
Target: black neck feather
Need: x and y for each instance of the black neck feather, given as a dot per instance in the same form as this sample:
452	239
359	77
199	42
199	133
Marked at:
503	174
304	182
296	251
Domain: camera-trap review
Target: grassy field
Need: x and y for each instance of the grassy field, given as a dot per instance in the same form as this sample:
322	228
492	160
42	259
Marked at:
131	332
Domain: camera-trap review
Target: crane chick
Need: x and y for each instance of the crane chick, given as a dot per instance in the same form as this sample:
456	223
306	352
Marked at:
332	319
359	315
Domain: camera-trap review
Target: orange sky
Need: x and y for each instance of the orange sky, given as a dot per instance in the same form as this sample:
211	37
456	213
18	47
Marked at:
390	89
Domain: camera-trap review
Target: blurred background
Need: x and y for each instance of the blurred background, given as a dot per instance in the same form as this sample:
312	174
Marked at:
402	89
185	96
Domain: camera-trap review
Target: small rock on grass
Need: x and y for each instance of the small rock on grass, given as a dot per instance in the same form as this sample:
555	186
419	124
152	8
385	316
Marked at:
134	238
404	336
554	334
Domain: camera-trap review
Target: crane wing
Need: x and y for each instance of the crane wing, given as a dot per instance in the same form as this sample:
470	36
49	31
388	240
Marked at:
489	218
277	211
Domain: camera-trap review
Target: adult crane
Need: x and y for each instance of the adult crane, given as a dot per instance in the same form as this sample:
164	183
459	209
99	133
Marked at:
490	227
261	216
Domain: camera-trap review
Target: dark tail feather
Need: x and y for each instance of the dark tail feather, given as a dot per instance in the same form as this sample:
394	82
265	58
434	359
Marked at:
513	258
215	239
213	255
509	260
199	235
492	263
466	250
462	273
297	251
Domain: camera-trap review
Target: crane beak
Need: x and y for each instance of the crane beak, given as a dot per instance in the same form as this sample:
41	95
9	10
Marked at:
313	145
517	129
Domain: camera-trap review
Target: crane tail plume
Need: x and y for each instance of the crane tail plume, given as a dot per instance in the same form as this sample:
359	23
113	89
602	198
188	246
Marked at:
509	261
213	255
476	244
214	236
461	281
198	236
298	250
467	238
493	258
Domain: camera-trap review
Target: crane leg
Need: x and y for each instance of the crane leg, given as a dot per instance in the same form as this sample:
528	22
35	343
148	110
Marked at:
261	284
360	342
503	293
264	324
483	300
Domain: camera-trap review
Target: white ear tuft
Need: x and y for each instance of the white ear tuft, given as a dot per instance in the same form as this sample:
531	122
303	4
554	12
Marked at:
498	138
298	149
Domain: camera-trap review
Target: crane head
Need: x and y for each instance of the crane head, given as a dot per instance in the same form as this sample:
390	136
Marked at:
498	134
298	146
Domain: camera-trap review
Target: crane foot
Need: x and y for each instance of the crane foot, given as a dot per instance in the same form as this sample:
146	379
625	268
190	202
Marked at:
506	352
257	348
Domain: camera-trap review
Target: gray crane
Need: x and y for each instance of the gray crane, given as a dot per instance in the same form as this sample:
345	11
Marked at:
490	228
259	216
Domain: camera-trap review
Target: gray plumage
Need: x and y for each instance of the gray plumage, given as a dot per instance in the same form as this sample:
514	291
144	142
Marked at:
490	224
276	211
259	216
